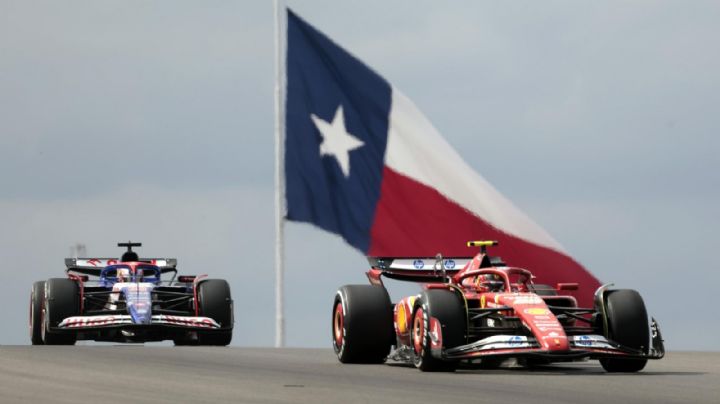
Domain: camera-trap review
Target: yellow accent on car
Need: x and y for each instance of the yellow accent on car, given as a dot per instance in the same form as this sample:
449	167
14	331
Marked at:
537	311
402	314
486	243
401	320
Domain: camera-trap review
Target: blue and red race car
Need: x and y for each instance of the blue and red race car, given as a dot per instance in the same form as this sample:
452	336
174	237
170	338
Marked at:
480	311
128	301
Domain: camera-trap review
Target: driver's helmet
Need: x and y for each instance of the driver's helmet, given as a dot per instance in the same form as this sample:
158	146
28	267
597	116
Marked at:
490	282
129	256
123	275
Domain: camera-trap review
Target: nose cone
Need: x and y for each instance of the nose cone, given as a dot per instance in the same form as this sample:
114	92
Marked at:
140	312
544	325
139	302
555	343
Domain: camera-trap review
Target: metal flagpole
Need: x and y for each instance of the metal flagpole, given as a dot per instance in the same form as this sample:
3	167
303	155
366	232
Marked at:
279	176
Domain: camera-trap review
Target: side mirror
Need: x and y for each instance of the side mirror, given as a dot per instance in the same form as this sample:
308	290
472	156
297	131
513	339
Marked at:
567	286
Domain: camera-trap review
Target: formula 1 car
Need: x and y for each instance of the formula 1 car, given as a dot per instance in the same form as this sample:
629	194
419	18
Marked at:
481	311
126	301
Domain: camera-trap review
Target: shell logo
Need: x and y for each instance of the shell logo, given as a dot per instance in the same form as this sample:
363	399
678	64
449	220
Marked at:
401	319
402	314
482	301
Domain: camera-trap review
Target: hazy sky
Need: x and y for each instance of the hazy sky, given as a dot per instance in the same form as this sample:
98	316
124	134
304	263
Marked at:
153	121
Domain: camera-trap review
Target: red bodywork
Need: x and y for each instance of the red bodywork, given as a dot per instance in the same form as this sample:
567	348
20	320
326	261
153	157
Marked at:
516	319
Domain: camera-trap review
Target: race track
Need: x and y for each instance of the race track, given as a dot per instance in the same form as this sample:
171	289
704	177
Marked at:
252	375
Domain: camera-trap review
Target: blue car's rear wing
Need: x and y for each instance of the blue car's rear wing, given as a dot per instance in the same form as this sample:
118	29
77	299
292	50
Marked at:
93	266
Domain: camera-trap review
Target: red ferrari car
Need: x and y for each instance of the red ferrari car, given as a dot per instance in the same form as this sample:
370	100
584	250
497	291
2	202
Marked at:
480	311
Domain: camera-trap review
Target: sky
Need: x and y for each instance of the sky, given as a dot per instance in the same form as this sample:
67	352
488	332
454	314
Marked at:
153	121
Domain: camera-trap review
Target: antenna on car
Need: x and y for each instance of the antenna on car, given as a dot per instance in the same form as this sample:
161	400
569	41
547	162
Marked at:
129	245
482	244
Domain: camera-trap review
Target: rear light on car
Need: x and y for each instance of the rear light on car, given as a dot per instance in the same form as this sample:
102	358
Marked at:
567	286
186	278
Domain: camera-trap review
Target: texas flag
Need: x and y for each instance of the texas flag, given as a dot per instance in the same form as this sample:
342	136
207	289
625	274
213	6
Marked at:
362	161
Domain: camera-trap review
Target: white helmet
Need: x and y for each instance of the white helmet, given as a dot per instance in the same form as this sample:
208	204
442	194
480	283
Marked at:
123	275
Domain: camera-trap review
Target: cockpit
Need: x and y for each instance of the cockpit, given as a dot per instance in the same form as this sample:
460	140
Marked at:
130	272
500	279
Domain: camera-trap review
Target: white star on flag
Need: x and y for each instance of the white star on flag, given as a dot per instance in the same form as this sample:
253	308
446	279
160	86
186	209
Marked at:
337	141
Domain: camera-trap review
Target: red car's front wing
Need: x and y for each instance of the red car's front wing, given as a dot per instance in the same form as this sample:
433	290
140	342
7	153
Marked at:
581	346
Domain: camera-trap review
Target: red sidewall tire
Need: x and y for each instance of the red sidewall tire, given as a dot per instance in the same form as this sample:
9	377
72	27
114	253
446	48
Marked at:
362	324
338	328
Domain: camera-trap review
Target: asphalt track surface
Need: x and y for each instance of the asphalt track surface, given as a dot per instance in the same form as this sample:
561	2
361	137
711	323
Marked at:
136	373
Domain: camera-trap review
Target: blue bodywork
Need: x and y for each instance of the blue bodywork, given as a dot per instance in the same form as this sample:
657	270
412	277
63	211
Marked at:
136	288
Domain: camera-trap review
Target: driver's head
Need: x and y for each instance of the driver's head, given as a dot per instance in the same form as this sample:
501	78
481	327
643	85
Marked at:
491	282
129	256
123	275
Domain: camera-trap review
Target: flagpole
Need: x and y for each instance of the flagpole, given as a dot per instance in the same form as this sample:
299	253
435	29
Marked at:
279	179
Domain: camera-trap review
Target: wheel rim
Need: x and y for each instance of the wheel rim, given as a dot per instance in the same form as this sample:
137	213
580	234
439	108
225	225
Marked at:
419	331
338	326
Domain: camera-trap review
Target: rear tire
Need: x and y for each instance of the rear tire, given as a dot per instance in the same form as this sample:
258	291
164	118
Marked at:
62	300
215	301
449	309
627	325
37	296
362	324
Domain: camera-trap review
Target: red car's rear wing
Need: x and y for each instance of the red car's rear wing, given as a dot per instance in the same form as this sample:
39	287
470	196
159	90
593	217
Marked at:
415	269
93	266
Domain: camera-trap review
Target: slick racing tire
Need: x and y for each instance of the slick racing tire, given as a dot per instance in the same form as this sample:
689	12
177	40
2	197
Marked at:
62	300
362	324
37	296
448	308
627	325
215	301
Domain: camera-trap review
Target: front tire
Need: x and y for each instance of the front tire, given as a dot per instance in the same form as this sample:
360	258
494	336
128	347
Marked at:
449	309
215	301
627	325
362	324
62	300
37	296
